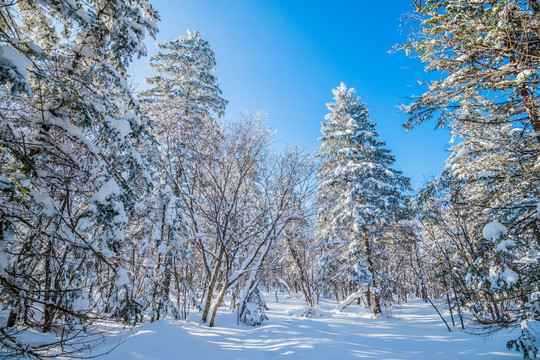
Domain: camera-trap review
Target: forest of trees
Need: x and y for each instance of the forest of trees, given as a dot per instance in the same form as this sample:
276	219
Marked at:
132	206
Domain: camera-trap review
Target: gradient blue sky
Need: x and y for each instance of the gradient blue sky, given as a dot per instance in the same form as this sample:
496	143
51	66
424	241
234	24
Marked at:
283	57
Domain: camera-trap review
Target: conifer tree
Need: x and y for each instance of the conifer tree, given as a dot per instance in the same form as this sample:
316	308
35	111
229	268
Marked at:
70	172
184	91
360	194
488	55
183	100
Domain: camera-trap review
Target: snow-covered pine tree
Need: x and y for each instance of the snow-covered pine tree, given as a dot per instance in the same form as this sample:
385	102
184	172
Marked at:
360	194
70	174
184	92
183	100
488	180
488	55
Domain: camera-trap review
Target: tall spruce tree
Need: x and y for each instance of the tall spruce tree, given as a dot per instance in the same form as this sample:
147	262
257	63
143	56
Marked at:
183	101
360	194
184	91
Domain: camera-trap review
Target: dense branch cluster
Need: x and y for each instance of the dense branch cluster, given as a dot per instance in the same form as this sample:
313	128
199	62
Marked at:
479	220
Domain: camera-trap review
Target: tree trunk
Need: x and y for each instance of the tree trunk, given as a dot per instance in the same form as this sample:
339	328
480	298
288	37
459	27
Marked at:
168	276
210	289
458	306
155	293
376	303
305	285
216	304
336	291
47	311
530	108
448	301
12	318
375	298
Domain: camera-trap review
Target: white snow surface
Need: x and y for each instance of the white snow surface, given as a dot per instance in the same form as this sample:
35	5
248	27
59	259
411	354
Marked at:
413	331
307	311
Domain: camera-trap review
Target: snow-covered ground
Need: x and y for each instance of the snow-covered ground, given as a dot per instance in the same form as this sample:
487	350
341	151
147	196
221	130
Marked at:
414	331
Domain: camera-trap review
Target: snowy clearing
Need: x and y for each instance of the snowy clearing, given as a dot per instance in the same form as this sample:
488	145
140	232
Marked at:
414	331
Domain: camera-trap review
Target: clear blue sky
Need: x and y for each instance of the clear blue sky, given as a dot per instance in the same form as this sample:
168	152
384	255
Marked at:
283	57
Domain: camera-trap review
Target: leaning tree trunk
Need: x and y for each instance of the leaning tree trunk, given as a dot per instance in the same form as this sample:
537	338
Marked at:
210	290
217	303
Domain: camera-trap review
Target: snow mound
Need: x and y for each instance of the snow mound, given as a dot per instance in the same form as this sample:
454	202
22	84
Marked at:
510	276
494	230
307	312
122	277
506	246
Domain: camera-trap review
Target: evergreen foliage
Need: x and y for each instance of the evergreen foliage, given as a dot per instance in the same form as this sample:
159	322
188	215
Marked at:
360	195
70	171
488	55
